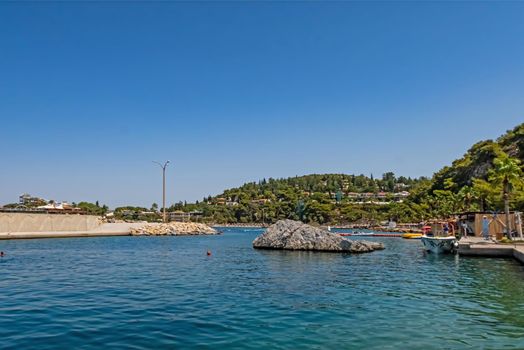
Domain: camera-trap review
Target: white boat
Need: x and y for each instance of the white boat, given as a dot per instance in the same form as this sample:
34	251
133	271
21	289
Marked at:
439	238
439	245
362	233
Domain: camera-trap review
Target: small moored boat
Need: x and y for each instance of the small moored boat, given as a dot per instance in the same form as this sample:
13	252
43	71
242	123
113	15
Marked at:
439	245
362	233
411	235
440	238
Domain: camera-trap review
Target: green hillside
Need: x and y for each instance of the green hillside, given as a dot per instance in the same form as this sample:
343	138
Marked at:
478	160
320	198
469	183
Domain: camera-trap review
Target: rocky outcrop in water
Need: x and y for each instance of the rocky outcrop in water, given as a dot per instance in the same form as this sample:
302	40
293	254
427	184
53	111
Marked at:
173	229
294	235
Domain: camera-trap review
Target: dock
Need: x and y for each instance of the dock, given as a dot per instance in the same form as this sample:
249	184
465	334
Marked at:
371	234
104	230
476	246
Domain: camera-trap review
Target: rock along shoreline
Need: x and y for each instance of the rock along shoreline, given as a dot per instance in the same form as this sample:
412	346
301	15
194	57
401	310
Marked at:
173	229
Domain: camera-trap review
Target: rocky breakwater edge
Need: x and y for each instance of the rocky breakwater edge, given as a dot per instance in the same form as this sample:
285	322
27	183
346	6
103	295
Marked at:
294	235
173	229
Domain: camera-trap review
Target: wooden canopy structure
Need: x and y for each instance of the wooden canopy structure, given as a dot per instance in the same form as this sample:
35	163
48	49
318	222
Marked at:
470	223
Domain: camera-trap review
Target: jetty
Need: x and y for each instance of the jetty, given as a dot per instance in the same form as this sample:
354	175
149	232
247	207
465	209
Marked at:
44	225
371	234
476	246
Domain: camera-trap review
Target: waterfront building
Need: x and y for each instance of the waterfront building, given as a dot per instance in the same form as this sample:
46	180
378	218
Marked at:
59	208
29	201
471	223
182	216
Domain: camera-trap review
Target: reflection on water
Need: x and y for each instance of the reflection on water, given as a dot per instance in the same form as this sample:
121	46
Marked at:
154	292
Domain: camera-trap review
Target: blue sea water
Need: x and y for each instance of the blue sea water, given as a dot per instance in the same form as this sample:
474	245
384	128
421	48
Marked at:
165	293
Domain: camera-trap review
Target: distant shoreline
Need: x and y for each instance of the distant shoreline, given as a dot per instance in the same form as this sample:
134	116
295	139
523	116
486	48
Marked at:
256	225
338	227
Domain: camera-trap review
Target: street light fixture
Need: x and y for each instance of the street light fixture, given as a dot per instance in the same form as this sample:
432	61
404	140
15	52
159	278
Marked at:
163	166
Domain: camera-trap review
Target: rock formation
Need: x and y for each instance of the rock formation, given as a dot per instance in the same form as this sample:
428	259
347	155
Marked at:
294	235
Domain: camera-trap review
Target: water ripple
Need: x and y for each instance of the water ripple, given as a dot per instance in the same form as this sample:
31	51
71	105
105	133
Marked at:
164	292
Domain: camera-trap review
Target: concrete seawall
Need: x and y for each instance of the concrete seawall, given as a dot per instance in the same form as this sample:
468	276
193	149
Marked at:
518	253
28	222
111	229
477	247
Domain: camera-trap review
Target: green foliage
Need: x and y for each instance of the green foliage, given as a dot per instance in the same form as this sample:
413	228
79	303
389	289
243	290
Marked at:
481	180
474	182
317	198
12	205
476	163
507	171
36	203
513	142
93	209
136	214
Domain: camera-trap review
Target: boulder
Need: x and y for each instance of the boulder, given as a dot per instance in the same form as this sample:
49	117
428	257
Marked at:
295	235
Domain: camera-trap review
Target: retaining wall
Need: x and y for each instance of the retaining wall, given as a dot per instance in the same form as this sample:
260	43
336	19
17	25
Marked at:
518	253
28	222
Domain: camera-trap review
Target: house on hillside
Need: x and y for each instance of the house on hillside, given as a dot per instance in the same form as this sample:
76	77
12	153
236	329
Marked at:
29	201
260	201
220	201
60	208
181	216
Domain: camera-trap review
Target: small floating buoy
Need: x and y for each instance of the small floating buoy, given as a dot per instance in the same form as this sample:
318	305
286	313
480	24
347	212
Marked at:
209	253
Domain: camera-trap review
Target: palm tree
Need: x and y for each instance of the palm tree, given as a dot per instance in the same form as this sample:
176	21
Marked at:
466	195
507	172
484	192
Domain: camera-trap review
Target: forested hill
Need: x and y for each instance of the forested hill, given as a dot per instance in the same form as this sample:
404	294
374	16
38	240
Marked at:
320	198
476	181
478	160
473	182
329	185
469	171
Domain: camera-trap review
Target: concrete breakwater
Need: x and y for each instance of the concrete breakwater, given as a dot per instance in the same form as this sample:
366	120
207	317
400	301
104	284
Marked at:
29	222
29	225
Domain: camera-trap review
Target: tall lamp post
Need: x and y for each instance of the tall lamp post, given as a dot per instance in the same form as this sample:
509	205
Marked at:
163	166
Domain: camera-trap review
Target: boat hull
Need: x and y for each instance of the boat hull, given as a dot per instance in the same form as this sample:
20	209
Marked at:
412	235
364	234
439	245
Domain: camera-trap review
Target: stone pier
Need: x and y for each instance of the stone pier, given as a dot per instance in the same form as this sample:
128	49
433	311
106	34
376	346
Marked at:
476	246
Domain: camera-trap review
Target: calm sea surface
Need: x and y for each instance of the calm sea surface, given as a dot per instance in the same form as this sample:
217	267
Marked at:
164	293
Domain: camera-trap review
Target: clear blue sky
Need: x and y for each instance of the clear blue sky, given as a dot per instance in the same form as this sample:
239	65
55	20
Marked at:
230	92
